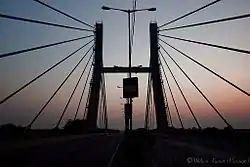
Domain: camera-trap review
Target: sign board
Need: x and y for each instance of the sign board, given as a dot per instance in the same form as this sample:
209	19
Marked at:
130	87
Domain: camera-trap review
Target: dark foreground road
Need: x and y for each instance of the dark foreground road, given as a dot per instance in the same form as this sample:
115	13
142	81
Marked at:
103	151
93	151
171	152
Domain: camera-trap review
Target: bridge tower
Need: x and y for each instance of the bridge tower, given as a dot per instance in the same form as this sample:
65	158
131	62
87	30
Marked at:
160	110
154	69
95	89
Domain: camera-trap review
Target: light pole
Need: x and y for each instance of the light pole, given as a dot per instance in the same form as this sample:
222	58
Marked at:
128	11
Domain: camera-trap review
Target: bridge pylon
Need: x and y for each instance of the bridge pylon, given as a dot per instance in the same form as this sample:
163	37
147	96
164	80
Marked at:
160	110
92	112
154	69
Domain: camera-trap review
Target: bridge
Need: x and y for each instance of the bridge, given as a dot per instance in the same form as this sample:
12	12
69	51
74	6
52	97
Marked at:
89	141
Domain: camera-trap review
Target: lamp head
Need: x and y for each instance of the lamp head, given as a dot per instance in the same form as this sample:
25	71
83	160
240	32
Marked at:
105	8
152	9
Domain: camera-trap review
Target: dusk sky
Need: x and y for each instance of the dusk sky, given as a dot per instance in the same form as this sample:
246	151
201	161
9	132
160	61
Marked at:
19	69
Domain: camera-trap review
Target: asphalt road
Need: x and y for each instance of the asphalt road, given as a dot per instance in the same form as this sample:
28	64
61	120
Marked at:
169	152
92	151
98	151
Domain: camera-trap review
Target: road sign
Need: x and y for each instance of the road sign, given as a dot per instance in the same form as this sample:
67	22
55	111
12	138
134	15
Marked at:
130	87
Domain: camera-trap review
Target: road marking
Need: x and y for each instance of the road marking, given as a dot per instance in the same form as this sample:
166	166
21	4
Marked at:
114	154
154	163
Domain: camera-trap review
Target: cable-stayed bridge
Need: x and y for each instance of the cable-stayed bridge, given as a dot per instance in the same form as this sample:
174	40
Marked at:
88	148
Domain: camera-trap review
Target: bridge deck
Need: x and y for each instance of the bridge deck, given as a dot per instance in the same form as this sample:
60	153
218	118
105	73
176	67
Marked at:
103	151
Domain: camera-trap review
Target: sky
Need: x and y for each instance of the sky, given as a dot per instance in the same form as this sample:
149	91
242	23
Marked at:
19	69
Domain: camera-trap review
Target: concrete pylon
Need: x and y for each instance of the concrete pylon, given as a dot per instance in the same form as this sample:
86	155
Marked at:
94	98
160	110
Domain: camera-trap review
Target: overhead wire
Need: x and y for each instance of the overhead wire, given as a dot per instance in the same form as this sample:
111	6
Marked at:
83	90
208	44
207	22
180	90
189	13
63	13
203	95
208	69
59	87
73	92
41	47
43	73
43	22
172	95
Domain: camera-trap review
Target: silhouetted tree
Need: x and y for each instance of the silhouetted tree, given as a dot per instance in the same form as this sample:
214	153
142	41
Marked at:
7	127
10	131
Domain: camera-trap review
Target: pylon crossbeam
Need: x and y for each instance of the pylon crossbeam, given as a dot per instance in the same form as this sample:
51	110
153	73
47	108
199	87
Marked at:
126	69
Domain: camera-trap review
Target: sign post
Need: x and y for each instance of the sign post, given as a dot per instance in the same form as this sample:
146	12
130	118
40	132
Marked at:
128	111
130	90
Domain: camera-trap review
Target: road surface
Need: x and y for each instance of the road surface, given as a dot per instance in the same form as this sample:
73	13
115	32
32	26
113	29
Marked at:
93	151
171	152
99	151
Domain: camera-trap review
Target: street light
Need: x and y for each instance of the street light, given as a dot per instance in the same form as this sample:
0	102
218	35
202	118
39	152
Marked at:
105	8
129	40
129	12
152	9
